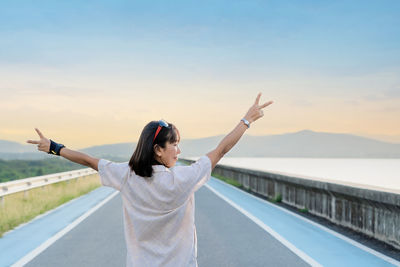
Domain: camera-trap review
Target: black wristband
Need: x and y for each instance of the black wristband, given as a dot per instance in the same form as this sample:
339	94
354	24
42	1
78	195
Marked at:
55	148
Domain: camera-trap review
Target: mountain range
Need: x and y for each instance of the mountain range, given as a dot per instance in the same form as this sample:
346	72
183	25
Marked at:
305	143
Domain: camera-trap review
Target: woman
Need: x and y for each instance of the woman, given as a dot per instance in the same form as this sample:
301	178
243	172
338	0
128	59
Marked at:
158	197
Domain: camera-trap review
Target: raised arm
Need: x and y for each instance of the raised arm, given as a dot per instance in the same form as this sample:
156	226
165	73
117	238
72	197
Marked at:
255	112
72	155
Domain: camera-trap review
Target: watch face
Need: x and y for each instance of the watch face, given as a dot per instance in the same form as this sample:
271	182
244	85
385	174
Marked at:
246	122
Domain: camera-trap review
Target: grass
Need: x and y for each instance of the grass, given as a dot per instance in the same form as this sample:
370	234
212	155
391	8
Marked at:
227	180
277	198
20	207
304	210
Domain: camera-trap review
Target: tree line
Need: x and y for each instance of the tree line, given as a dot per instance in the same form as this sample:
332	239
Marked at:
18	169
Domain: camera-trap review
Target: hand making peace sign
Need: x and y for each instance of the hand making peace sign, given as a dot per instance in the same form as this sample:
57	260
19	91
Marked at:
255	112
43	143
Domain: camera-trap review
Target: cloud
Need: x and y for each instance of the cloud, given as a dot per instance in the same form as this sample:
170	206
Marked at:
351	102
389	109
302	103
393	93
384	95
374	97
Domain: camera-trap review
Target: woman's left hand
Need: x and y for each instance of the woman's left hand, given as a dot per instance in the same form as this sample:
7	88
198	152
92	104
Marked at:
255	112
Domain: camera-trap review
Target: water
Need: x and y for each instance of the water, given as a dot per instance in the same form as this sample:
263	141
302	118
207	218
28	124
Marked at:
382	173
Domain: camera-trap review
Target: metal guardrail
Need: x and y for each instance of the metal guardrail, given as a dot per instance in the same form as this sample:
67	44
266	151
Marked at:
26	184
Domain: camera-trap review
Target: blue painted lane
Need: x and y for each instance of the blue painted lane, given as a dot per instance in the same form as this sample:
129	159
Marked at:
324	247
18	243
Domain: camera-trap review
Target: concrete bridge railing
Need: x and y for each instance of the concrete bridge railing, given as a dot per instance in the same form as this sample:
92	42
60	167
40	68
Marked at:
369	210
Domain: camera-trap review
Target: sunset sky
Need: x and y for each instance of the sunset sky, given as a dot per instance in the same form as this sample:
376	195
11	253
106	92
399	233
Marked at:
95	72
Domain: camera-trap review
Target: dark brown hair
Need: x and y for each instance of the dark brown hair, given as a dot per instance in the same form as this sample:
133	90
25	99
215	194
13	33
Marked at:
142	160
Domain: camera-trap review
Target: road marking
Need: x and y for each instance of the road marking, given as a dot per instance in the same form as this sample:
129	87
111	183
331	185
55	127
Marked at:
286	243
338	235
31	255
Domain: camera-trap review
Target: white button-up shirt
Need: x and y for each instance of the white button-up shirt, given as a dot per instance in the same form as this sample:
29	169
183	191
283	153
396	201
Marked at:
158	211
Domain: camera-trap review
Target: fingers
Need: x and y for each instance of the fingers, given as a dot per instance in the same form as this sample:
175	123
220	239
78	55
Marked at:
33	142
39	133
266	104
258	98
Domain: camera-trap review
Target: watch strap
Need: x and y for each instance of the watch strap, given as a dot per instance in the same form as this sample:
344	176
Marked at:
246	122
55	148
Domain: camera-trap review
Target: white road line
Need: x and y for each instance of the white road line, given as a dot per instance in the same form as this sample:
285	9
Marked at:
31	255
286	243
351	241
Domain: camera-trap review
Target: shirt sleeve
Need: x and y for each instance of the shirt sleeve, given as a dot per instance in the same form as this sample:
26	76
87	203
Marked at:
113	174
191	178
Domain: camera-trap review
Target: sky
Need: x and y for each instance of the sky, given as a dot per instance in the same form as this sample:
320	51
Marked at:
96	72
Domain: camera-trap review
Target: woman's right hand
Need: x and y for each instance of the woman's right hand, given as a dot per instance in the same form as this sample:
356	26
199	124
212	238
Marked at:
43	144
255	112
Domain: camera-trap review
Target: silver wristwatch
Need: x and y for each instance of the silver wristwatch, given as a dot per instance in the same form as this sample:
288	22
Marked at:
246	122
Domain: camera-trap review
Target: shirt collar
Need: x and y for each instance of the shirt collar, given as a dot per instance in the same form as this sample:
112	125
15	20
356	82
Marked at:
160	168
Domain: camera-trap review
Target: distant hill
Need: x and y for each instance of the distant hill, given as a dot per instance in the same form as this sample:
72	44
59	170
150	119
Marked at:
119	152
14	147
13	150
308	143
305	143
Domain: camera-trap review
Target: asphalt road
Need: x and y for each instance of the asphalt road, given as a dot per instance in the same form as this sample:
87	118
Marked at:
225	238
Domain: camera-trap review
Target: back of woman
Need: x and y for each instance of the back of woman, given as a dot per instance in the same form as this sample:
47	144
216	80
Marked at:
158	211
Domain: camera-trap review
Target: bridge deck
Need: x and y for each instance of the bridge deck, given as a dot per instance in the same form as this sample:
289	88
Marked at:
234	228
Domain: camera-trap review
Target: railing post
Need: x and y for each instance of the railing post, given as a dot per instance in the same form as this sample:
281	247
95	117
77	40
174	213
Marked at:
26	193
2	200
